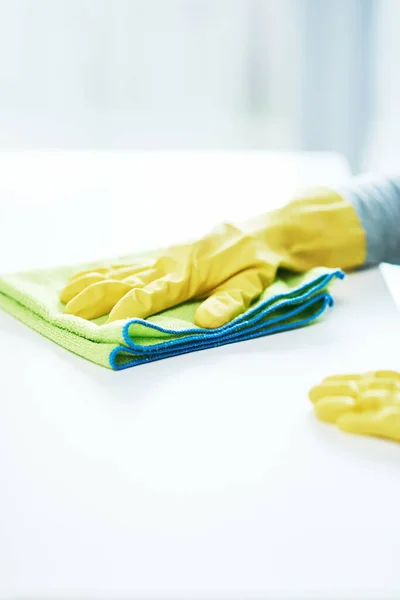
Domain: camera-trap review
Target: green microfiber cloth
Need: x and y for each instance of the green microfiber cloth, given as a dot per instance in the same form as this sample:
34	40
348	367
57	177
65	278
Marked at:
292	301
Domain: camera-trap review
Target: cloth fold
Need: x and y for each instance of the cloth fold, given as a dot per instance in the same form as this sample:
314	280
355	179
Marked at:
292	301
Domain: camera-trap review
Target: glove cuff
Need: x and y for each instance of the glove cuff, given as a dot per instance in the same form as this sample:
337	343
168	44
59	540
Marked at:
318	228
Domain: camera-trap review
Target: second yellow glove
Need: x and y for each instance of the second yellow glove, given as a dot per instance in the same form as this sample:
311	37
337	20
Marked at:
367	404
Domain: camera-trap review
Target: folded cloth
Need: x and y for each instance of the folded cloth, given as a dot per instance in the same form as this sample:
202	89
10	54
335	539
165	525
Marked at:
292	301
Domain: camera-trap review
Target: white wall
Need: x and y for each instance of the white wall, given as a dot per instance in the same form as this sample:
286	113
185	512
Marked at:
148	73
383	152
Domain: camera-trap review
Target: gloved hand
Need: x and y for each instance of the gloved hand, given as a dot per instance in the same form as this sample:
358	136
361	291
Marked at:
228	268
232	269
367	404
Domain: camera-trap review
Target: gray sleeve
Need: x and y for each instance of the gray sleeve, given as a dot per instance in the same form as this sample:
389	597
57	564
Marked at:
377	203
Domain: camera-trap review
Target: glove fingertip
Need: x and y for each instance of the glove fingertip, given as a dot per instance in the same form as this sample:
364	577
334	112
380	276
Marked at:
216	311
331	408
75	287
355	422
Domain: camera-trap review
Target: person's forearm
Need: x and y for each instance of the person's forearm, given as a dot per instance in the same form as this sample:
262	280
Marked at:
377	204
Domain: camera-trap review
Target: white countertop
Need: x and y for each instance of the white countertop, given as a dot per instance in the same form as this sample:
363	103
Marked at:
200	476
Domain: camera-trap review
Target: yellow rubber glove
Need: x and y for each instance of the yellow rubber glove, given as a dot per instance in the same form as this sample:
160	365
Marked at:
367	404
227	265
229	268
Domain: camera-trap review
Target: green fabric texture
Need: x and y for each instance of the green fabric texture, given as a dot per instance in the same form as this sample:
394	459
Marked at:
33	297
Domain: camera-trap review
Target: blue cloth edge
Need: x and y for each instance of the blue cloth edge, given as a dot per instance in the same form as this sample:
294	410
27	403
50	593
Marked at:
225	334
246	335
259	311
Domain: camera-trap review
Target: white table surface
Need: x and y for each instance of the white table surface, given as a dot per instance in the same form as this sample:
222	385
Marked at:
200	476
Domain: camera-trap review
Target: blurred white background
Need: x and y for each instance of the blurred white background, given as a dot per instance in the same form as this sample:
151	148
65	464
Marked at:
264	74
